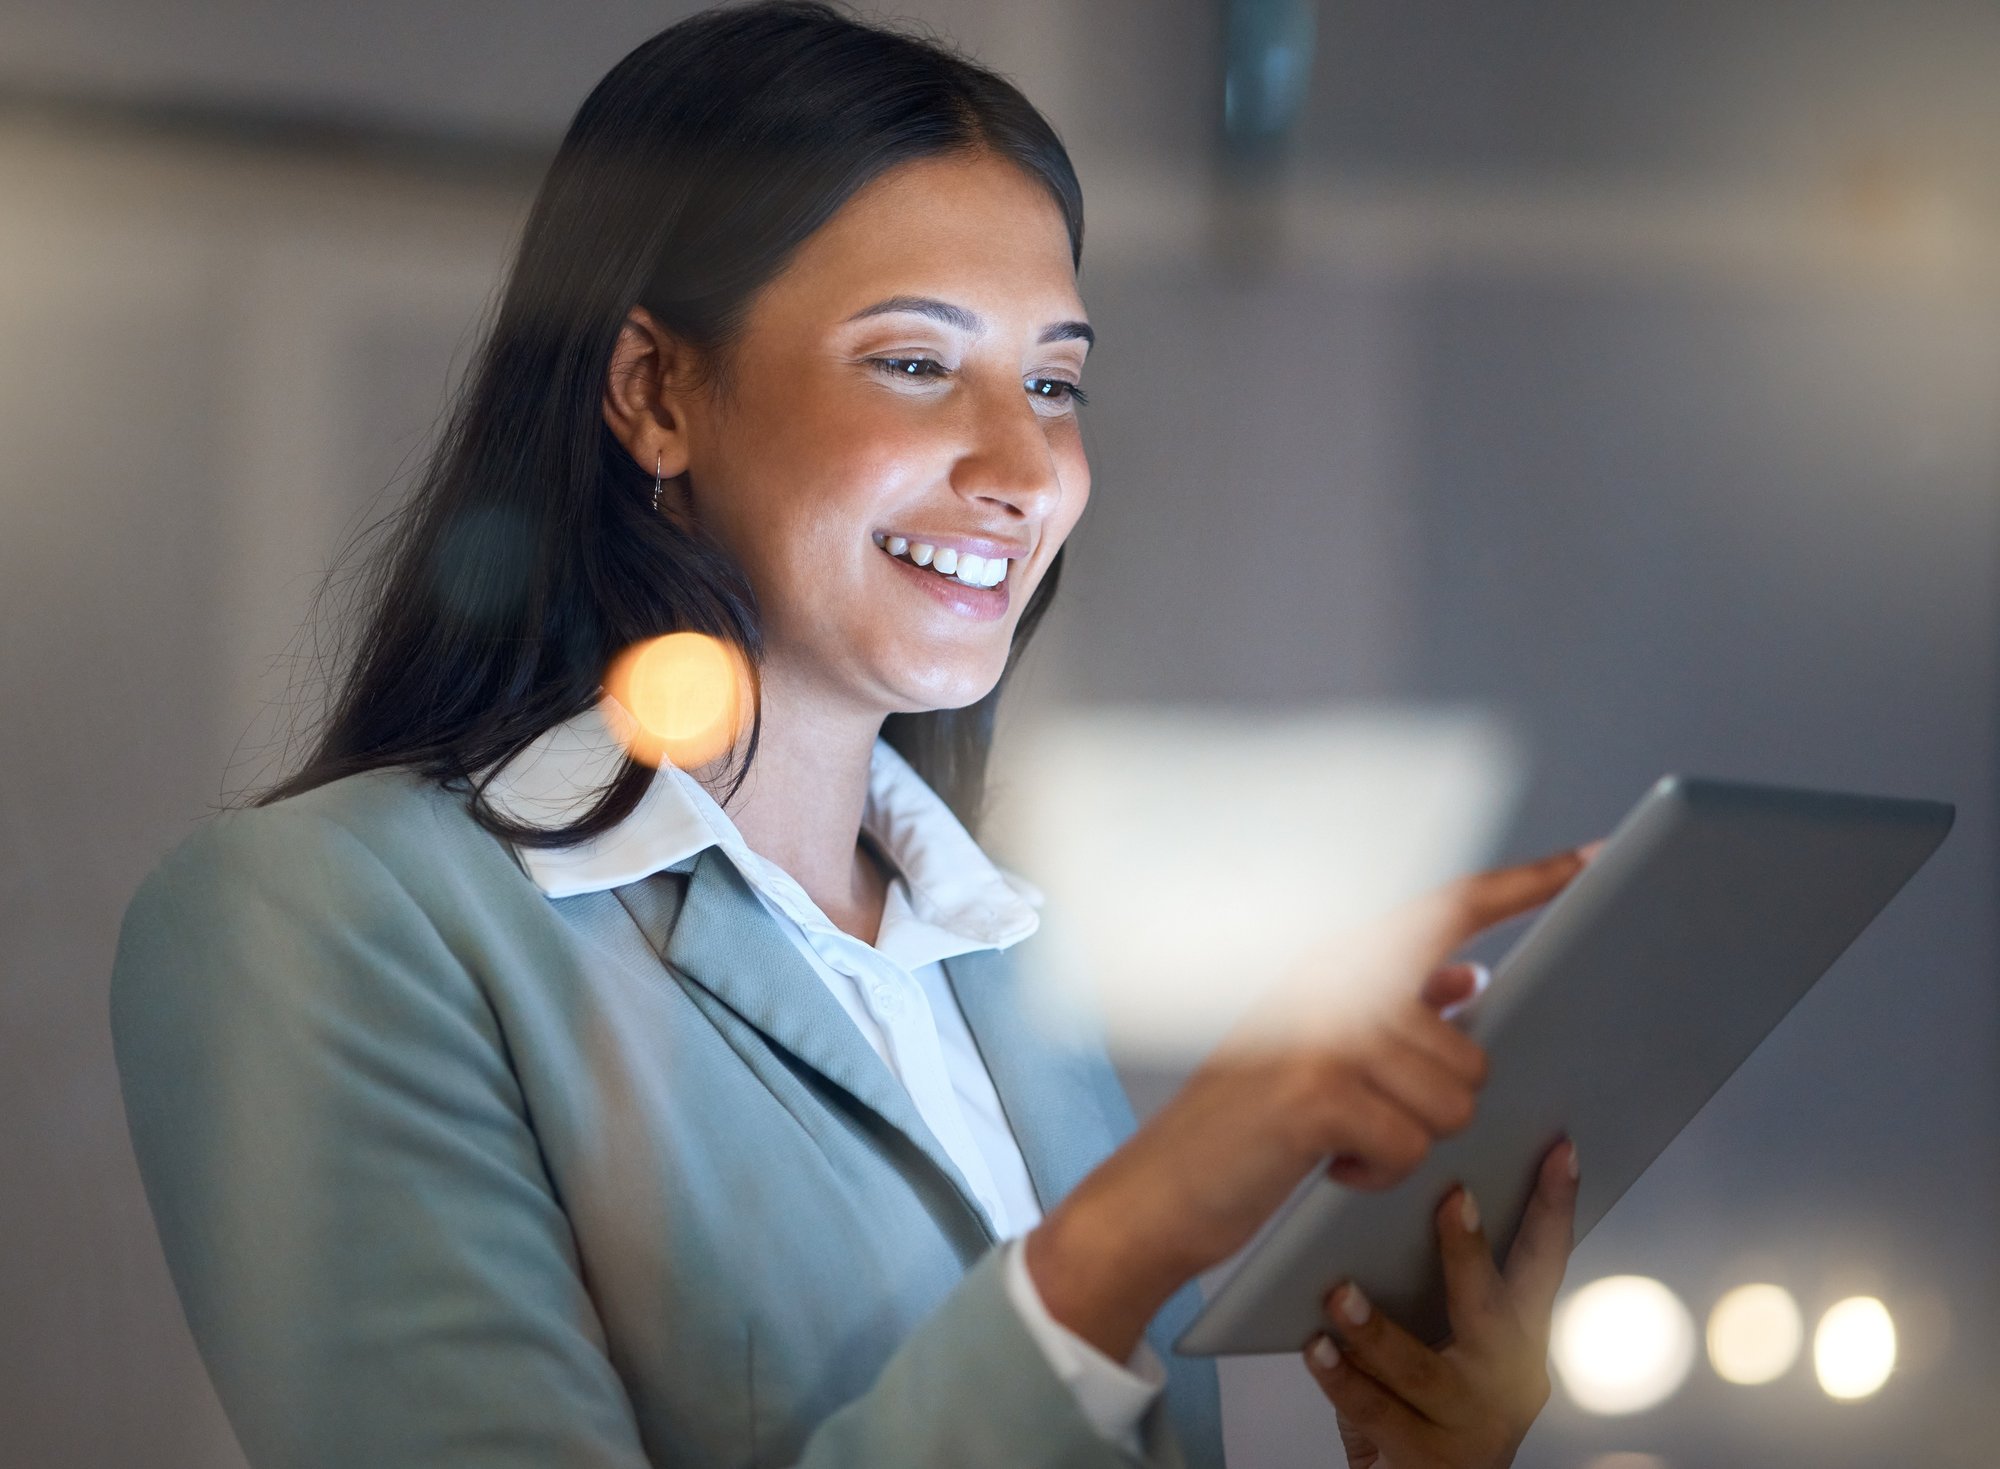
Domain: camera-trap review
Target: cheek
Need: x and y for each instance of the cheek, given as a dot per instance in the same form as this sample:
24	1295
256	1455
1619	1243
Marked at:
806	499
787	491
1073	469
837	462
873	450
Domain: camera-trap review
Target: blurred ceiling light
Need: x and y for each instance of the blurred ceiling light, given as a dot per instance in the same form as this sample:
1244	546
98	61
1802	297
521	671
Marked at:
1754	1334
1622	1344
1191	857
1854	1349
1267	66
1902	215
687	695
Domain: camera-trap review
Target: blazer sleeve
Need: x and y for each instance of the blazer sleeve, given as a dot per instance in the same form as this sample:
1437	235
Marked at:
367	1246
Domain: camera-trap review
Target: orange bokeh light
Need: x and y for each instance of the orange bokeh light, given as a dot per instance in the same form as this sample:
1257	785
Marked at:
688	696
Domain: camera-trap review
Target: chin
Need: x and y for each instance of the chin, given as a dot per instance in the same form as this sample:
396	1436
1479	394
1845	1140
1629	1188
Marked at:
949	688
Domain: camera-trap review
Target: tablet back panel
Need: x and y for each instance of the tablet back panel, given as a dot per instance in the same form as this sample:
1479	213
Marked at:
1710	912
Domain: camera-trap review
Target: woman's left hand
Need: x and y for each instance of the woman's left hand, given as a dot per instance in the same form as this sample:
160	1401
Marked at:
1402	1405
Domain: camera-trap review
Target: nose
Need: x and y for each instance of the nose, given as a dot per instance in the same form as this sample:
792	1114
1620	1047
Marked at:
1007	461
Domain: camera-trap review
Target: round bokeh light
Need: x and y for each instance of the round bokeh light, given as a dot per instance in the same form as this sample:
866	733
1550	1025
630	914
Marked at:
1754	1334
1854	1349
687	695
1622	1344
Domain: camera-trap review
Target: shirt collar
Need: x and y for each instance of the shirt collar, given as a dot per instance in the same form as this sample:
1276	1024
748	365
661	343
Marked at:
949	899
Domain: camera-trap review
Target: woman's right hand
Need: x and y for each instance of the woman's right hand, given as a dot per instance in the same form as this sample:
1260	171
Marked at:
1348	1058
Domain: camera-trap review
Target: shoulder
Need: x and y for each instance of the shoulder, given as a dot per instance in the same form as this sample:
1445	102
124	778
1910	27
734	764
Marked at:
384	825
395	817
385	861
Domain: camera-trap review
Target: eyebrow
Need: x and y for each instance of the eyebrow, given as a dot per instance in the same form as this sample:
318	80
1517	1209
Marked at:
969	321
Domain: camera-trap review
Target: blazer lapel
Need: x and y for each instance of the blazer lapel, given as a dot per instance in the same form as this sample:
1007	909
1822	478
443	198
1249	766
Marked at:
724	940
1065	1115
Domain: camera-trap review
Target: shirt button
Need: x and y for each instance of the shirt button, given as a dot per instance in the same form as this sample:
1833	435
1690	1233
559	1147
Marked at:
887	1001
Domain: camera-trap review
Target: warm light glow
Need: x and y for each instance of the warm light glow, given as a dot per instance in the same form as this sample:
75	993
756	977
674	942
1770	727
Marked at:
687	695
1754	1334
1622	1344
1854	1349
1150	862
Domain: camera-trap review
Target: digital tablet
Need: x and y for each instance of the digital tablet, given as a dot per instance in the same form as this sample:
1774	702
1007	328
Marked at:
1633	996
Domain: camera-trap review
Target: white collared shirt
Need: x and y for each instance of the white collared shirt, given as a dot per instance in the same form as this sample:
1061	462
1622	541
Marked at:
947	899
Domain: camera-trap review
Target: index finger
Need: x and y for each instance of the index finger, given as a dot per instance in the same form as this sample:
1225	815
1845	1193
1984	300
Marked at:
1460	910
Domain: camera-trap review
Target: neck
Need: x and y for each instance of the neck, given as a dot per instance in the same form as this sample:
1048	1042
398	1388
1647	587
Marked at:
800	805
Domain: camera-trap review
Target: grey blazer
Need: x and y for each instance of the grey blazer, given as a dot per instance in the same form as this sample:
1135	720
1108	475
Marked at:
449	1173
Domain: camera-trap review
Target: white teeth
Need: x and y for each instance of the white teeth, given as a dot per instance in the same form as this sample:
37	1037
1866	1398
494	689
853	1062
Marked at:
968	568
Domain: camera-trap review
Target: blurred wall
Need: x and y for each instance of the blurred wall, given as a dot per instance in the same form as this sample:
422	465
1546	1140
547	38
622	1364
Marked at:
1631	371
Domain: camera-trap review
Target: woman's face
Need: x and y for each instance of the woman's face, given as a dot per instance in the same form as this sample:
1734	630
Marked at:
904	383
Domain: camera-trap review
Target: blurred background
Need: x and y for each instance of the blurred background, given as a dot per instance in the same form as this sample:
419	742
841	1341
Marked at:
1604	389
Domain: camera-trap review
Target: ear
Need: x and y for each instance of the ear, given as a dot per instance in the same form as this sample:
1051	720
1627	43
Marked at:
647	391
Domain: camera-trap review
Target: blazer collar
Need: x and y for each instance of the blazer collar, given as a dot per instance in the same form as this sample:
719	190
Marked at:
951	905
955	899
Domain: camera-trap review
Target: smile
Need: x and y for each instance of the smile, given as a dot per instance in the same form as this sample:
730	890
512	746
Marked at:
962	567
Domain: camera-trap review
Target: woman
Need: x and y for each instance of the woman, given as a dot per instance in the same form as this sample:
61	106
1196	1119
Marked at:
503	1101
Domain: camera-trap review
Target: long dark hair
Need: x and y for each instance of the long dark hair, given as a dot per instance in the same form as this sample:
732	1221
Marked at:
529	554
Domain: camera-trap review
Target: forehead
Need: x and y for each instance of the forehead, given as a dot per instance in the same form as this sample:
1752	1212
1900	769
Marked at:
978	231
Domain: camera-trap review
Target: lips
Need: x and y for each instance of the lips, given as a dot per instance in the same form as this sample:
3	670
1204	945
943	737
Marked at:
980	603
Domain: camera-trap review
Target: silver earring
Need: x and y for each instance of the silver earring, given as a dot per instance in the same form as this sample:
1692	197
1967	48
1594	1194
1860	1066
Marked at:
656	483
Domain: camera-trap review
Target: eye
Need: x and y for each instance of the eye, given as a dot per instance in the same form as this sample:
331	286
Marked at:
1056	390
912	368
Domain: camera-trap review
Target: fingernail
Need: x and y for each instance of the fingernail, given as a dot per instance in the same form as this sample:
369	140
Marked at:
1574	1171
1481	977
1468	1210
1325	1355
1354	1305
1590	849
